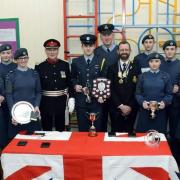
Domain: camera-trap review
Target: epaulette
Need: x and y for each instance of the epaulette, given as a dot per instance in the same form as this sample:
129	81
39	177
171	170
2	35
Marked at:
64	60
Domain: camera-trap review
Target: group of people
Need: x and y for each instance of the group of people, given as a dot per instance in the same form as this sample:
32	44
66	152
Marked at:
134	84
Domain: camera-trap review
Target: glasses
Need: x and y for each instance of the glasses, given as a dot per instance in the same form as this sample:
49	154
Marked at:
23	58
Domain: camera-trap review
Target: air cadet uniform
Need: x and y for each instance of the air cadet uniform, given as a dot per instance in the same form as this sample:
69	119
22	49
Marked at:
153	86
3	129
110	57
109	54
5	68
123	93
55	82
22	85
141	59
172	67
83	70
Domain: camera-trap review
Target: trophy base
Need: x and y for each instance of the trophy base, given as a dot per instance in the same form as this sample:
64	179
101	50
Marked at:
92	134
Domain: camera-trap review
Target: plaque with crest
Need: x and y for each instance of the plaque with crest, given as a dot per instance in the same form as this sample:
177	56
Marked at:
101	88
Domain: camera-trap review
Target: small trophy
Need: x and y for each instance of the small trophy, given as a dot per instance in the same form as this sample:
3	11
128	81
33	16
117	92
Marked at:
153	106
152	138
92	129
87	92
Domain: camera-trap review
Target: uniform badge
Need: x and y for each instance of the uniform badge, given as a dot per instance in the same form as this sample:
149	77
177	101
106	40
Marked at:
120	74
87	38
121	81
24	53
105	27
157	56
63	74
171	44
7	47
134	79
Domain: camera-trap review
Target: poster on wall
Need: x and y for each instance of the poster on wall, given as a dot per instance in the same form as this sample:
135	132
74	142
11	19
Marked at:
9	32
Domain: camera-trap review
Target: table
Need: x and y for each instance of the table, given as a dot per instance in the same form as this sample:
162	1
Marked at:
76	156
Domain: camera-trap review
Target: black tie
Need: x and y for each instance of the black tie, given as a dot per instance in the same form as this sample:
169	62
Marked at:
124	67
88	62
108	50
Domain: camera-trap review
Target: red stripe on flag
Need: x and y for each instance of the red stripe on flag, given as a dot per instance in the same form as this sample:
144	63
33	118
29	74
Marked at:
82	167
29	172
153	173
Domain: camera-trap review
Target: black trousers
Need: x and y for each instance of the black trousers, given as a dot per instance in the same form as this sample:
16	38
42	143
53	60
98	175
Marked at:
121	123
174	120
82	117
53	120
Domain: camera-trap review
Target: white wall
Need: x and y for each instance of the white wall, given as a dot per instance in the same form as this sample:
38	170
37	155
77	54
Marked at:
39	20
43	19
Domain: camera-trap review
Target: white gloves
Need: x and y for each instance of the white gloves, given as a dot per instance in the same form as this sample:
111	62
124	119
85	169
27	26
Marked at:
71	104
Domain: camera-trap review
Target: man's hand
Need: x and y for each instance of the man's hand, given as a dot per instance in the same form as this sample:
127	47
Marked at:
175	88
145	105
78	88
126	110
162	105
100	100
1	99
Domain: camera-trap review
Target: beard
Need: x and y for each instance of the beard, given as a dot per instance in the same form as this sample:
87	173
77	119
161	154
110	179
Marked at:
124	56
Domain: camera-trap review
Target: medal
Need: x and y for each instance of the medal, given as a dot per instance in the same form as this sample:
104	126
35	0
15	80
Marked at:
121	81
120	74
134	79
124	74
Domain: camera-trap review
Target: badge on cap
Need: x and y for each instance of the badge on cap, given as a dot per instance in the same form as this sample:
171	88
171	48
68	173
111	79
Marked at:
150	36
87	38
7	47
157	56
171	44
106	27
24	53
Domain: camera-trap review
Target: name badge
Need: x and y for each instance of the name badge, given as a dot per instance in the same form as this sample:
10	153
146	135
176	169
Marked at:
63	74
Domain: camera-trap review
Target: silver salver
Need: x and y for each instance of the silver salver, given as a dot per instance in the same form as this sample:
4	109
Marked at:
22	111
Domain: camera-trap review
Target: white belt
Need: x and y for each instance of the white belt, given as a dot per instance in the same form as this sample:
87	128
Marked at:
55	93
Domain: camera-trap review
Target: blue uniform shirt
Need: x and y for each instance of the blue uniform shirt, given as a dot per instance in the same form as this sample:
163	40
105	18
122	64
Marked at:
110	57
23	86
142	62
154	87
5	69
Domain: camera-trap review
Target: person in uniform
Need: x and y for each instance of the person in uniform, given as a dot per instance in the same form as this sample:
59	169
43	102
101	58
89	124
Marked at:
6	65
3	129
56	82
140	60
108	52
22	84
171	65
153	85
123	76
84	70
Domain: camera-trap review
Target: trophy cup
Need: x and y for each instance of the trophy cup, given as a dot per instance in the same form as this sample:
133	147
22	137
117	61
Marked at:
92	129
87	93
153	106
152	138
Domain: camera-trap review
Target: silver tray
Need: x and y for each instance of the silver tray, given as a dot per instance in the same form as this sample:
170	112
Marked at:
21	112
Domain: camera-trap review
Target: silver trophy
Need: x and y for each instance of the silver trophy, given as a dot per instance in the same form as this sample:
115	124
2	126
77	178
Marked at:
23	112
152	138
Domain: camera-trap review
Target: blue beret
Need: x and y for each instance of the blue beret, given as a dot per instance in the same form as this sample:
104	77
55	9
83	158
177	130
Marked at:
5	47
20	53
149	36
169	43
106	28
88	39
52	43
154	56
